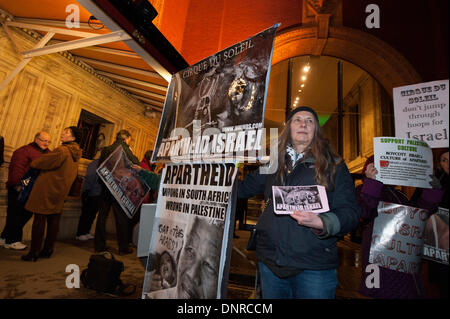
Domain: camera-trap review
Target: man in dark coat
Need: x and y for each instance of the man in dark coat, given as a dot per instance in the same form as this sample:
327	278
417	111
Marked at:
16	215
107	200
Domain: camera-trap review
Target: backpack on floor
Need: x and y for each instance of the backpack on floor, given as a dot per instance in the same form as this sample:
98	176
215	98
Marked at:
103	275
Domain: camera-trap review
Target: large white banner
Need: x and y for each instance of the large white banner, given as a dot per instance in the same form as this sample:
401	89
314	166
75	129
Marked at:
404	162
189	243
421	112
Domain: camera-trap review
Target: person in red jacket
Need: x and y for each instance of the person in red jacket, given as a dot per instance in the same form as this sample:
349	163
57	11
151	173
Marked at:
16	215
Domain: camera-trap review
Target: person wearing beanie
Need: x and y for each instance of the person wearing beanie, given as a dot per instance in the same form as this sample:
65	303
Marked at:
393	284
58	170
297	253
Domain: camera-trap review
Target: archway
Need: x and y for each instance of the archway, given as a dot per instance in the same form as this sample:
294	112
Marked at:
377	58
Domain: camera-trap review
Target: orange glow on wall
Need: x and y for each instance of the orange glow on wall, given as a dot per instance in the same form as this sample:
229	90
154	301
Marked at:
200	28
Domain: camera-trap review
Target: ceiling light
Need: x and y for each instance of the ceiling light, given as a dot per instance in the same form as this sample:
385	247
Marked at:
306	68
303	85
303	77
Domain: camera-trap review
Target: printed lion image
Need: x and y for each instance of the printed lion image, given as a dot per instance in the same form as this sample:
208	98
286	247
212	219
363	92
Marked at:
302	197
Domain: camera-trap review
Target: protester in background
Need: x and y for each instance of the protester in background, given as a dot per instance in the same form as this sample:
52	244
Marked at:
58	170
99	144
393	284
16	215
442	175
297	254
90	198
241	207
150	178
123	139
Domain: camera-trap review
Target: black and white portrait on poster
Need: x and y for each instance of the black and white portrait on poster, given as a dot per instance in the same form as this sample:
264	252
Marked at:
288	199
215	108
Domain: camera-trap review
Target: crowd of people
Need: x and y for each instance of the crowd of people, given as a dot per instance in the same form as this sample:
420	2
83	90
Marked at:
297	253
39	182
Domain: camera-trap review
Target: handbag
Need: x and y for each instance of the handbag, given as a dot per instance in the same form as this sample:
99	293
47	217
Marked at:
103	275
26	184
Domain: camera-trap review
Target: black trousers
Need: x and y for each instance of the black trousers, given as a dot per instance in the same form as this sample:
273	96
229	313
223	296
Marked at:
89	210
16	218
37	232
122	223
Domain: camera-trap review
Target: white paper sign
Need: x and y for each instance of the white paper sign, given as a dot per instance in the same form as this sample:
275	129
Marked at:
288	199
421	112
402	161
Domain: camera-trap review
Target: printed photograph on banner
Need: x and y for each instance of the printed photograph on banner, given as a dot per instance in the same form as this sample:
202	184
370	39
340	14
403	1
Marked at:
123	181
215	108
397	238
402	161
193	217
165	255
421	112
436	237
288	199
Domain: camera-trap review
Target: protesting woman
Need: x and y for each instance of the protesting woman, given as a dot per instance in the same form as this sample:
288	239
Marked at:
297	254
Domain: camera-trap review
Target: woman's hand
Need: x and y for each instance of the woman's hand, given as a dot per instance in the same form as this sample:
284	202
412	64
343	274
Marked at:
308	219
371	171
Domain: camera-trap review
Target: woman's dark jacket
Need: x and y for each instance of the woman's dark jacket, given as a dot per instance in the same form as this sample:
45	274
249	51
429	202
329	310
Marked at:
286	247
